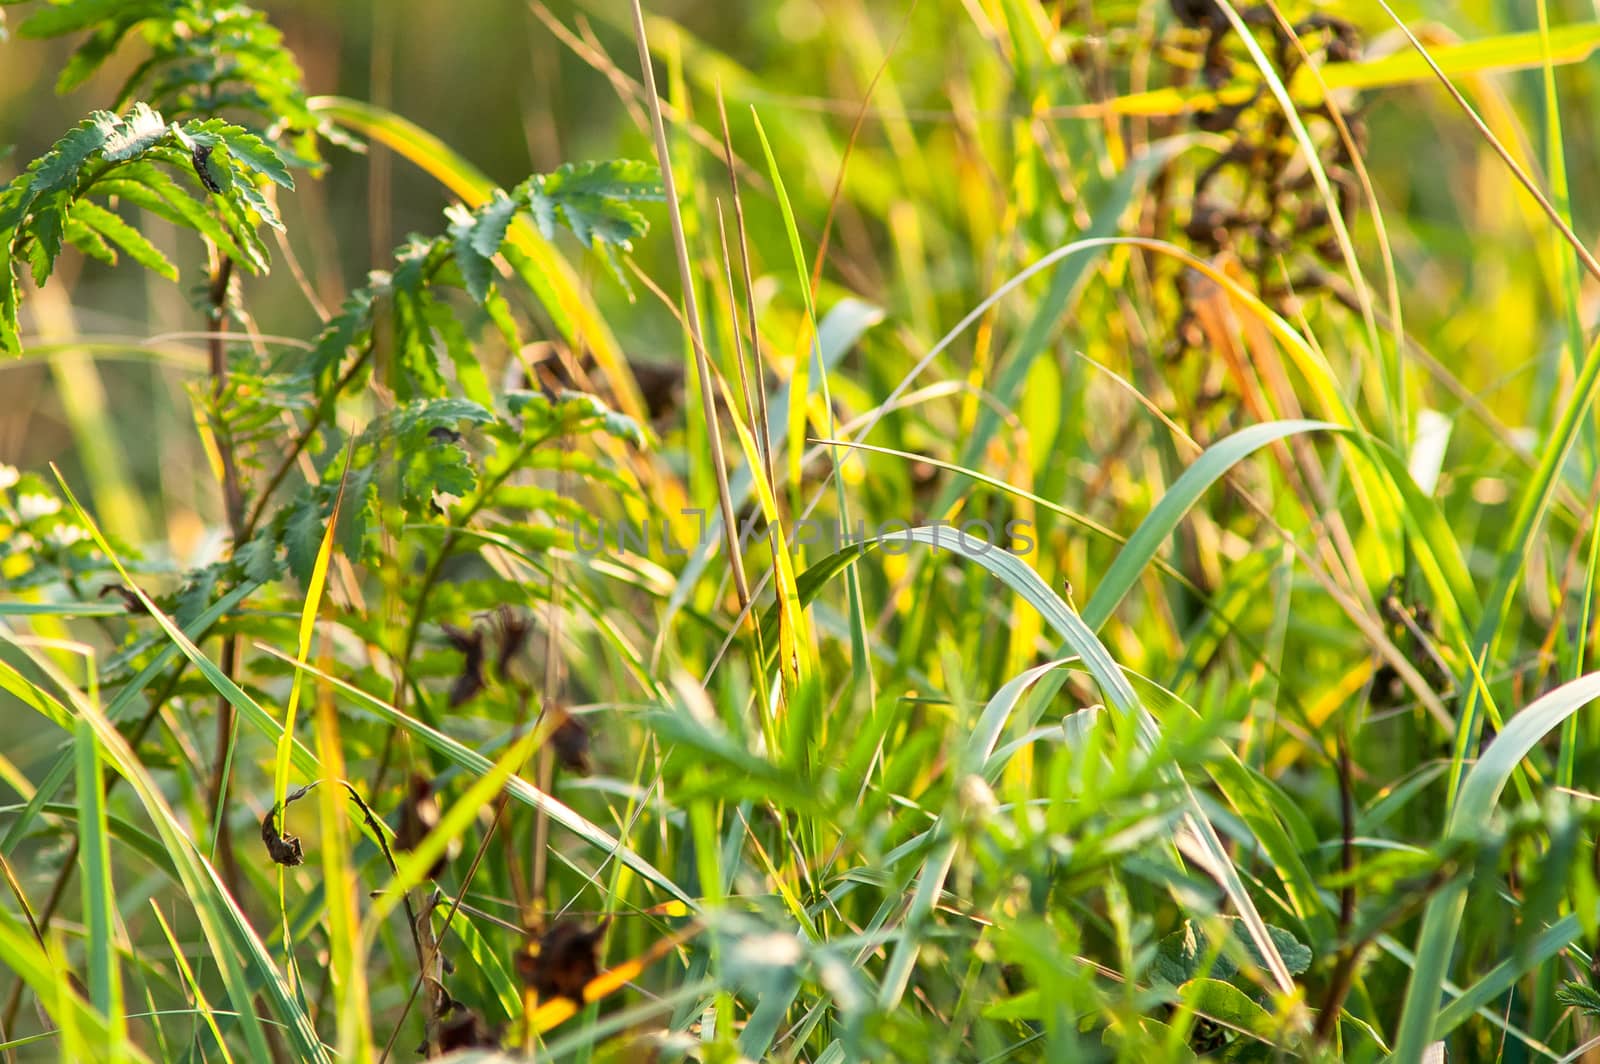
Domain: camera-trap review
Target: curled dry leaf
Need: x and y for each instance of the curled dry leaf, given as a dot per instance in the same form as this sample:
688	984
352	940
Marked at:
514	630
419	814
283	849
562	961
471	680
570	741
130	602
465	1028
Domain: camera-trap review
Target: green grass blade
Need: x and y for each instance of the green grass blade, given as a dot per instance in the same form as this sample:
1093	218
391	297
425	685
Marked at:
57	776
476	764
931	877
192	985
234	942
1480	791
1080	639
1504	52
99	892
23	957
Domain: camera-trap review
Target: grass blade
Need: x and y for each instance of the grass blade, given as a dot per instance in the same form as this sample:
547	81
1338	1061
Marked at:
1480	791
99	893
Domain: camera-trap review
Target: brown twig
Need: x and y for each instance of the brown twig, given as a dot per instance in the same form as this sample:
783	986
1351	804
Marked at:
730	523
318	416
455	906
233	502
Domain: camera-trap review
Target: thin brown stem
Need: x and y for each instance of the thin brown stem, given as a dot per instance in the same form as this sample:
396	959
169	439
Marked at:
730	524
318	416
233	502
419	606
762	426
217	349
455	906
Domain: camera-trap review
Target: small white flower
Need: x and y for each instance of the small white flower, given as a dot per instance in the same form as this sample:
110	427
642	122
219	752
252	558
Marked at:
32	507
8	476
21	543
65	535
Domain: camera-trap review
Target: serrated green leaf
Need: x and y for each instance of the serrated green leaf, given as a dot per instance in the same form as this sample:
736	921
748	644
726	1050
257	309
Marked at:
413	337
257	202
476	237
146	186
445	412
90	242
243	222
616	179
443	468
61	164
302	536
469	371
1579	996
258	559
10	340
355	515
351	326
69	17
581	406
125	236
92	53
46	229
141	129
594	200
208	157
411	423
491	222
477	272
251	152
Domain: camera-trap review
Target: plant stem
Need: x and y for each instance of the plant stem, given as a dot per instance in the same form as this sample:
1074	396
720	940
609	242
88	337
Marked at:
318	416
233	501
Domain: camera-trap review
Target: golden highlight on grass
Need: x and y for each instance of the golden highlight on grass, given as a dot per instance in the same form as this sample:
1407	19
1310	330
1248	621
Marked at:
995	531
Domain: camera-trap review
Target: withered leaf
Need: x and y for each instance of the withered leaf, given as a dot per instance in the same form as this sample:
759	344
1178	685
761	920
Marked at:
570	741
514	632
471	680
283	849
130	602
419	813
465	1028
562	961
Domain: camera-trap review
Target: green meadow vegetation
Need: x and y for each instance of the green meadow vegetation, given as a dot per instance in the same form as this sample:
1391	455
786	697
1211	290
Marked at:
808	531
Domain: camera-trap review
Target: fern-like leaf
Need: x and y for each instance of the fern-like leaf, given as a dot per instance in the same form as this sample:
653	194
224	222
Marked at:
106	156
1580	996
